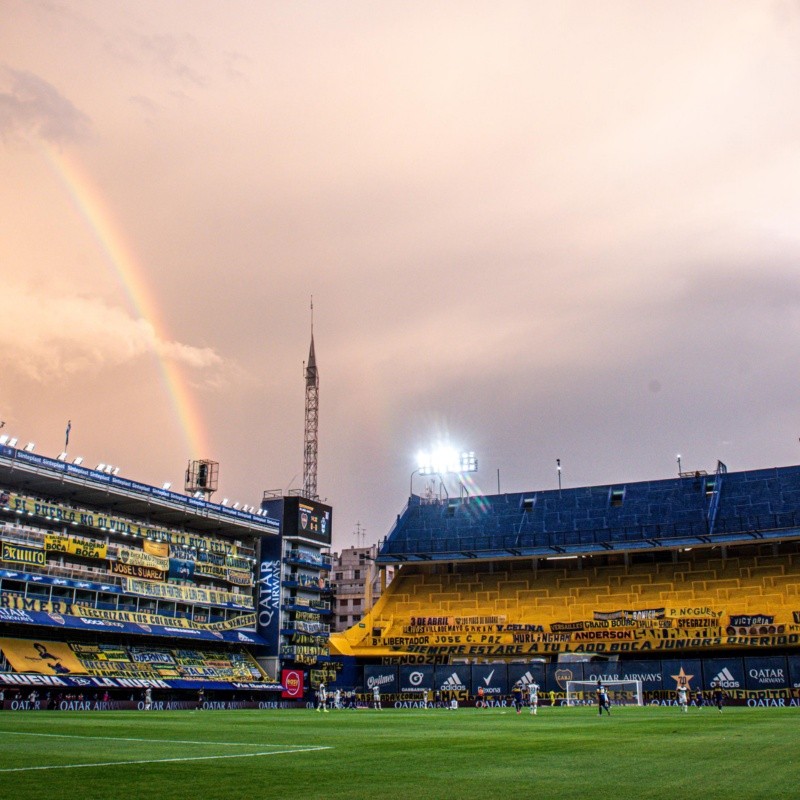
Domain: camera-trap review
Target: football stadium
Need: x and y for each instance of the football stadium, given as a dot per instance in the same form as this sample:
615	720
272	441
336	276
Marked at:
648	587
127	608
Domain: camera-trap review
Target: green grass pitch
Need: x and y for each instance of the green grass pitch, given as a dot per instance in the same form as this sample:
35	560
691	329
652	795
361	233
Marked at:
408	754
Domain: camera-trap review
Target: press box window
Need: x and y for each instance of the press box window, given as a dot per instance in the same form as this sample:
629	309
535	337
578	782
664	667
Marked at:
616	498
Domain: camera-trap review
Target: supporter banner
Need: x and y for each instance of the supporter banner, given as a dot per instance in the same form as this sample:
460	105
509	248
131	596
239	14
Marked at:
223	573
143	558
645	613
269	593
385	678
753	625
415	679
13	608
748	620
247	621
137	571
523	674
492	678
766	673
28	556
156	549
727	672
186	594
694	611
701	628
181	569
454	679
77	545
88	623
292	680
106	522
103	682
238	576
45	658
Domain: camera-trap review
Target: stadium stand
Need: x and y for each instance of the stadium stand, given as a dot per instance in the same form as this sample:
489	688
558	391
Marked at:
703	568
109	587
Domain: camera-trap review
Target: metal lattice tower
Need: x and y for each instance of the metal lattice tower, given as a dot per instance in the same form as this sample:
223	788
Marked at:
312	421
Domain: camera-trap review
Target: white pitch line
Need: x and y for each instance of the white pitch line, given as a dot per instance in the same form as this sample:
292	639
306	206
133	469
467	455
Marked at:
132	739
163	760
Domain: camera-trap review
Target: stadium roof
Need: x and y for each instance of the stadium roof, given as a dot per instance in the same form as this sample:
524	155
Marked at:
50	478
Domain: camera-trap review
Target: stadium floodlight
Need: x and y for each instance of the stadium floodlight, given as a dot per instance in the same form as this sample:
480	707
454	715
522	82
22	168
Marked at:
167	485
115	471
62	456
100	467
4	438
444	460
13	441
225	501
78	461
29	447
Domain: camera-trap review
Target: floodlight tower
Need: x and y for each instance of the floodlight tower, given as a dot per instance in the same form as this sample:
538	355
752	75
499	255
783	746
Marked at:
312	420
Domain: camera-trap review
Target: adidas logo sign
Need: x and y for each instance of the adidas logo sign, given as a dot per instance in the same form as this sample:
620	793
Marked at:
525	679
726	680
452	683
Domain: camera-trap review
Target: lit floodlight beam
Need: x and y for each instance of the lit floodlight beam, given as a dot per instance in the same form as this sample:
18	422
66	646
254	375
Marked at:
446	460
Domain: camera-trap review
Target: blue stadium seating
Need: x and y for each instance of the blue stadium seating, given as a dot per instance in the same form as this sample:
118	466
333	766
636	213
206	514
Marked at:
684	511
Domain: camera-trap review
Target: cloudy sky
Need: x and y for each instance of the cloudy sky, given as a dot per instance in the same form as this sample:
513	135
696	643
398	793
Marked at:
536	230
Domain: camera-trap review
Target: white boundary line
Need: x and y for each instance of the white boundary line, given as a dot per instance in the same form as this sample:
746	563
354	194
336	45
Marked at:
142	739
164	760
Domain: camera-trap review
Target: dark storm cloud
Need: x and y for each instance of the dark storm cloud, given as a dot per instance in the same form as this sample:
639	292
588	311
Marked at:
30	106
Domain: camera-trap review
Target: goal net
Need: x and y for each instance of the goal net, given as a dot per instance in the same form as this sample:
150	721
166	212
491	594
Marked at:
620	693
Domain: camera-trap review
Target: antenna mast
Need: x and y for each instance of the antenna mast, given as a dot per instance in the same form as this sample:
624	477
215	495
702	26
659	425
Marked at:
312	420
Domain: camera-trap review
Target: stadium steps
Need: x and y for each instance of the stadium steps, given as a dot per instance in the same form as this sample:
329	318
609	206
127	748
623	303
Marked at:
759	603
531	594
680	596
781	581
568	583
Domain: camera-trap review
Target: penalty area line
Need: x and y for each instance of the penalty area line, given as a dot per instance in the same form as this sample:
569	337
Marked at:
164	760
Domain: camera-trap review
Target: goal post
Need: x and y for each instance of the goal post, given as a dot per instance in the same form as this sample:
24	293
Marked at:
620	693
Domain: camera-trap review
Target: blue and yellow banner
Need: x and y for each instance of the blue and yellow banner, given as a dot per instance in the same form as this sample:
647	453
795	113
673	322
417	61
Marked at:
19	554
45	658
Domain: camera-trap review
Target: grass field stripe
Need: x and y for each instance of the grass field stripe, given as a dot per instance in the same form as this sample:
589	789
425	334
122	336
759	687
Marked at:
163	760
133	739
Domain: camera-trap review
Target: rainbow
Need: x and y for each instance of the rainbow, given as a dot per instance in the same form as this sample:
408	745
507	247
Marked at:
90	205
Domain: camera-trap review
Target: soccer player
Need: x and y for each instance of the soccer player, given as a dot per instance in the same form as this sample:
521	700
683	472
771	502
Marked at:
376	697
533	697
683	703
552	697
602	700
480	702
516	698
699	700
322	698
718	694
337	699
